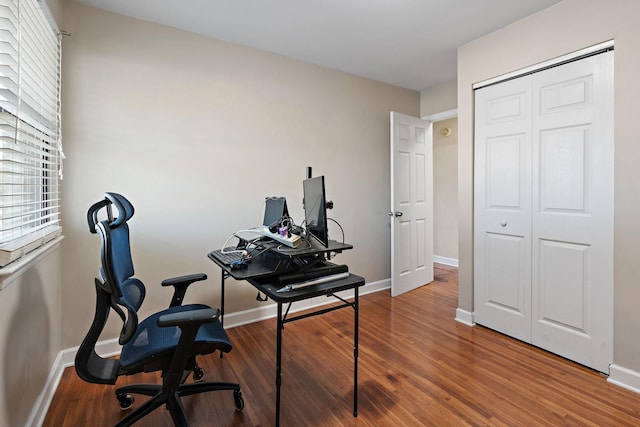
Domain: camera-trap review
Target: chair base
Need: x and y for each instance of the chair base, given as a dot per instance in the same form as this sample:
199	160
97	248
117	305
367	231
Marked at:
171	398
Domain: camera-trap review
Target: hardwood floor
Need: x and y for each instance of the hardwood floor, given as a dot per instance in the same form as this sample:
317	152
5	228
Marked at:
418	366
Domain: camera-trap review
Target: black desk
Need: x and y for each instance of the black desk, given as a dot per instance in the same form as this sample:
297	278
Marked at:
264	272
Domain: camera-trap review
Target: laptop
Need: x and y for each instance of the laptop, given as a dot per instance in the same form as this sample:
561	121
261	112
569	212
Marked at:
274	209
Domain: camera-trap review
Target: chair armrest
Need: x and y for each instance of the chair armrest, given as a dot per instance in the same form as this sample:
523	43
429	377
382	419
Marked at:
190	317
180	285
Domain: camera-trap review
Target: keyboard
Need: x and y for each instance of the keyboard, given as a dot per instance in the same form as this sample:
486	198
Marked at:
227	255
323	270
316	281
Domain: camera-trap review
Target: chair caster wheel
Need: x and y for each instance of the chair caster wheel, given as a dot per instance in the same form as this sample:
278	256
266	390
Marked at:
198	375
238	400
125	400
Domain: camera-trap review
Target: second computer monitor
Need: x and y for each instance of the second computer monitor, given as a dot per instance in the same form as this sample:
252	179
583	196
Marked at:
275	208
315	209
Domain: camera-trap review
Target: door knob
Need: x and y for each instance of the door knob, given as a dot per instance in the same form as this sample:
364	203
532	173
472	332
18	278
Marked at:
397	214
503	223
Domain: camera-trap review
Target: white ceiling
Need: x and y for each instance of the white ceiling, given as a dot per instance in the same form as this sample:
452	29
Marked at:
408	43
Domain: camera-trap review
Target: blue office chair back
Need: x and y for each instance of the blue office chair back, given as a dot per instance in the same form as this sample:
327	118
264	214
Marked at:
126	291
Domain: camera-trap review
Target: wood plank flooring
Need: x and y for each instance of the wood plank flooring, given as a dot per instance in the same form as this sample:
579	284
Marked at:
418	366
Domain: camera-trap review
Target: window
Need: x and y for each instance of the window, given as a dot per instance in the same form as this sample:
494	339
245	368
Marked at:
30	146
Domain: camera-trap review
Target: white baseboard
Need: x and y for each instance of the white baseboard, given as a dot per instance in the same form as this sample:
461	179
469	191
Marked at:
446	261
40	408
624	377
110	347
64	359
465	317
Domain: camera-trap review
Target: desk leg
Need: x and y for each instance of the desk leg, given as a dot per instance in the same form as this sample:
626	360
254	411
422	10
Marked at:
355	353
222	299
222	305
278	362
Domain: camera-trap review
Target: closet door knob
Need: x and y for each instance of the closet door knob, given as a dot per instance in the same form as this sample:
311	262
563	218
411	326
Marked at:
503	223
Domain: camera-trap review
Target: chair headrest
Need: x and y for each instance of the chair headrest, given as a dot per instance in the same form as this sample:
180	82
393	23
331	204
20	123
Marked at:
124	207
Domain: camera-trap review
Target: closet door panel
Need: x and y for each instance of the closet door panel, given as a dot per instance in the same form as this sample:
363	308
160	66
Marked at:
502	230
572	221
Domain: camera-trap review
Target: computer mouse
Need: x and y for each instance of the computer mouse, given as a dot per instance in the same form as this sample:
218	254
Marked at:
237	265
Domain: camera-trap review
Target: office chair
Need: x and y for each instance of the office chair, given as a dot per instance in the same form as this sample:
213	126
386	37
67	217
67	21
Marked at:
167	341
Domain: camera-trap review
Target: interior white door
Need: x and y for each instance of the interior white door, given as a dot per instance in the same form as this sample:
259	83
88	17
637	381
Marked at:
543	254
573	181
411	203
502	214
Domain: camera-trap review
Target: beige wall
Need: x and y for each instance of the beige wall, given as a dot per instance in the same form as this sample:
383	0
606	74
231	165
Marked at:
30	323
196	133
445	189
566	27
438	99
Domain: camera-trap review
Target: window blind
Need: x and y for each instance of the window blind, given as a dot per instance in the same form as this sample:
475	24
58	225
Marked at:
30	146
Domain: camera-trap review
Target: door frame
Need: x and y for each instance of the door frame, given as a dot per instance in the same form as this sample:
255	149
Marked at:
449	114
433	118
570	57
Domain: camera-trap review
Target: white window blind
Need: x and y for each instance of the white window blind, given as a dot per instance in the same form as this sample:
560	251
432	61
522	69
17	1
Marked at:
30	146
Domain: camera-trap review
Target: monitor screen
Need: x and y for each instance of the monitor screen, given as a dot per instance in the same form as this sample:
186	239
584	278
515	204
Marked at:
315	209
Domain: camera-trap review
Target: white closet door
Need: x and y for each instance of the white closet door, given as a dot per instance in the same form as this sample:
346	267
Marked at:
502	217
573	211
543	254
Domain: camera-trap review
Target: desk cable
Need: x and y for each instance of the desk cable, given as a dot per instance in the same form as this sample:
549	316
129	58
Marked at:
251	246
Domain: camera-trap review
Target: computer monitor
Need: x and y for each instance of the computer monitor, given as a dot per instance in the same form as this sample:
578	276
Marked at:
315	209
